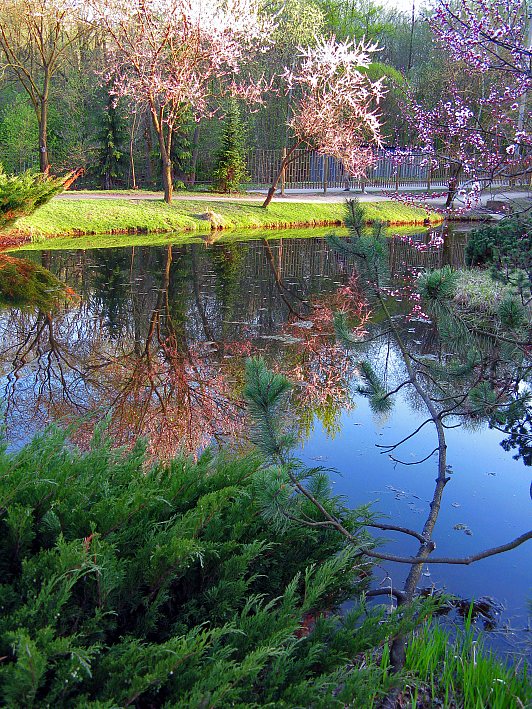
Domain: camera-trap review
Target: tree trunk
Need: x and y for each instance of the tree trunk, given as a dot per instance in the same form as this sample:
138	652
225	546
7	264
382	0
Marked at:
167	180
149	148
194	157
164	147
453	184
132	164
44	162
284	162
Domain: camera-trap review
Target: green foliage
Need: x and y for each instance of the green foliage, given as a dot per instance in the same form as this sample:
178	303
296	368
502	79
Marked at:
231	171
438	286
128	583
512	314
373	388
507	249
26	284
21	195
265	393
19	134
355	218
459	672
370	250
112	138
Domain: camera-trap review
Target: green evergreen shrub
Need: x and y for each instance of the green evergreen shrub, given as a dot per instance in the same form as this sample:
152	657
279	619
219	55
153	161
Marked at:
230	171
26	284
506	247
125	583
21	195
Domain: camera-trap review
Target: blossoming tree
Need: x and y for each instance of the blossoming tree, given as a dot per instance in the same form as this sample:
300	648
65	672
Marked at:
336	110
479	125
177	56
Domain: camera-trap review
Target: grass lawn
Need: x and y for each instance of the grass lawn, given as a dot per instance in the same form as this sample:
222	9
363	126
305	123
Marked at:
122	216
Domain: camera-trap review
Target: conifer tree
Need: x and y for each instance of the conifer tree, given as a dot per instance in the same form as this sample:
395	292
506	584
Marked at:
112	137
462	385
230	171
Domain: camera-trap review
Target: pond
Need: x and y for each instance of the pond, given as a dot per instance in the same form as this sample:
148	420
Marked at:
154	340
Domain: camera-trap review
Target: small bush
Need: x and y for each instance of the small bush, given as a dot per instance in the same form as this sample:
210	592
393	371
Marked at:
21	195
507	249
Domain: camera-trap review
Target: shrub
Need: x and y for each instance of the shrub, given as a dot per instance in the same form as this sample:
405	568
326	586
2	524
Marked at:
21	195
26	284
128	585
507	249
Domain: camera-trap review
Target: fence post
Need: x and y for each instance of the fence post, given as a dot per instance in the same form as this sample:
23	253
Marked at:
325	173
429	174
397	169
283	172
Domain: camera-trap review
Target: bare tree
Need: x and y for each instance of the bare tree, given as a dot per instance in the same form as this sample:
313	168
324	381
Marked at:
35	39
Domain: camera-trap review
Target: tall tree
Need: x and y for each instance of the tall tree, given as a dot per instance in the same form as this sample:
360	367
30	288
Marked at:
337	107
175	56
479	122
35	36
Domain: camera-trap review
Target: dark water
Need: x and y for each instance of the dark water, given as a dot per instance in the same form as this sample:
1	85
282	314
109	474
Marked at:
156	341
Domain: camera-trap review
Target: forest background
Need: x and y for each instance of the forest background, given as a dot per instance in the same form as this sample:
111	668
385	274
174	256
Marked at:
114	140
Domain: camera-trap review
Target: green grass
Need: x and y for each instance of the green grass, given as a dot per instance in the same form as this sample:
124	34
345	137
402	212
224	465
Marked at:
90	217
461	673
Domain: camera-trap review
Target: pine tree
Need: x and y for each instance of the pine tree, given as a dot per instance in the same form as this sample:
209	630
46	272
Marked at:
230	171
112	137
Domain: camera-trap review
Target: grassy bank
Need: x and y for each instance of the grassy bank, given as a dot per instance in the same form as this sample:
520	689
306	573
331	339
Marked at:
461	673
121	216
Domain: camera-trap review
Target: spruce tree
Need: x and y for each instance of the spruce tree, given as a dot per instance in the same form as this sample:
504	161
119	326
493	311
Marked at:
230	171
112	138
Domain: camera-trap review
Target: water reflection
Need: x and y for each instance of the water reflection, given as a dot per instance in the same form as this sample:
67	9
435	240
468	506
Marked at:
157	341
158	335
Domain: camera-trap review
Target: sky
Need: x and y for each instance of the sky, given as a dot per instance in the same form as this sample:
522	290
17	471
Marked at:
403	5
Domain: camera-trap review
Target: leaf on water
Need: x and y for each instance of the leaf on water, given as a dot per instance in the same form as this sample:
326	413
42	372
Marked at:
285	339
304	324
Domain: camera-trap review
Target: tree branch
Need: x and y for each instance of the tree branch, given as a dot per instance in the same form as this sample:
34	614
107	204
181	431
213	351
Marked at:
465	561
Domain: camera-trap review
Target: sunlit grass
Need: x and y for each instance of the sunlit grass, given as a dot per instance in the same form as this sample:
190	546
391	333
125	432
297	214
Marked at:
92	217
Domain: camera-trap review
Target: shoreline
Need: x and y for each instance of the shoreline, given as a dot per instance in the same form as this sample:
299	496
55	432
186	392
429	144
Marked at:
73	218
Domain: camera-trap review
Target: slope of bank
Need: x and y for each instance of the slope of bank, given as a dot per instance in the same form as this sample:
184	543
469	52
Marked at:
121	216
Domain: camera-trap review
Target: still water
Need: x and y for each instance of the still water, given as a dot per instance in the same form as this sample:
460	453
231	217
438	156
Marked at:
155	340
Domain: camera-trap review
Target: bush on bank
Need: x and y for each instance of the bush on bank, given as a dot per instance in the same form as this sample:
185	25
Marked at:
133	584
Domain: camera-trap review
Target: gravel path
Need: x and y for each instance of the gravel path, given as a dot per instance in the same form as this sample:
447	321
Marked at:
332	196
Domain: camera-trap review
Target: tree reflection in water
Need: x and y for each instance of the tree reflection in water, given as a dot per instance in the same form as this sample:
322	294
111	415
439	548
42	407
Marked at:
159	334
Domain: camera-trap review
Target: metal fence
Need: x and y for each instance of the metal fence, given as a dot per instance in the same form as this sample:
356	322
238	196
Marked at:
392	170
